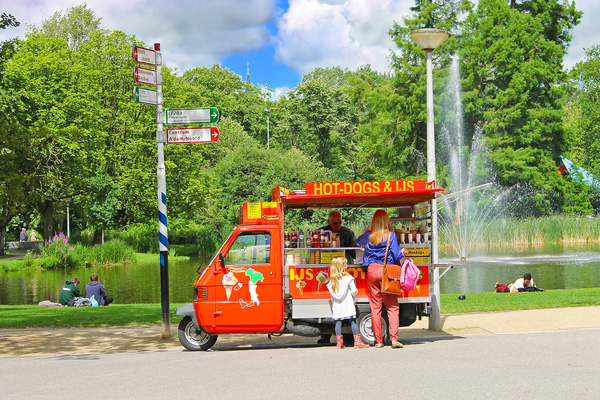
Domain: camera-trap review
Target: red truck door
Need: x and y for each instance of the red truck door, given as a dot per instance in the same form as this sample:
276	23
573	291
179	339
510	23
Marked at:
248	291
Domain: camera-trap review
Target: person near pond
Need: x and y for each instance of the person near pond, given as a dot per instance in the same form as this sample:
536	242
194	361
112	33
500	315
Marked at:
375	241
524	284
23	235
69	291
96	289
342	288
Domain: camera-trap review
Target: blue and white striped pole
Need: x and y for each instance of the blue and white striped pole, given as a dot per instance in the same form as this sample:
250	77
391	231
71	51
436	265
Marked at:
162	204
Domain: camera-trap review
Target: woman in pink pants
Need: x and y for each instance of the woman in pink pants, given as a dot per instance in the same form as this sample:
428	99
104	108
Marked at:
375	242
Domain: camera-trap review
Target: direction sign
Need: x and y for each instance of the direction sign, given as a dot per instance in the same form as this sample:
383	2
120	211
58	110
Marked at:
191	115
144	56
144	75
145	96
193	135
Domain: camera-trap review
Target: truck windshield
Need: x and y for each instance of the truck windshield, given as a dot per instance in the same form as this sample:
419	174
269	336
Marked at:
250	248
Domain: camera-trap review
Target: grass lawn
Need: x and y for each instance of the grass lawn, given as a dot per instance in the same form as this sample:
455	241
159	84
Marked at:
484	302
32	316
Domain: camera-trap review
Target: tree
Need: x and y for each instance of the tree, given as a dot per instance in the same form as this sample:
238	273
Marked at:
7	47
102	203
393	137
584	112
42	81
76	26
14	175
512	63
318	118
221	88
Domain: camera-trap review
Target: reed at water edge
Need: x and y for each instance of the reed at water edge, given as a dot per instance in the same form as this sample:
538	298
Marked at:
558	229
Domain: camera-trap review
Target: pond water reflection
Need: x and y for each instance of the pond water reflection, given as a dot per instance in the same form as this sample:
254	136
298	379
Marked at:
552	267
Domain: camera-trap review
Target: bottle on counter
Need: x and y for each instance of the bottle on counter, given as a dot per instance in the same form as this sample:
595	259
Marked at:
309	238
401	235
294	239
322	239
409	236
286	239
413	231
315	239
301	239
419	235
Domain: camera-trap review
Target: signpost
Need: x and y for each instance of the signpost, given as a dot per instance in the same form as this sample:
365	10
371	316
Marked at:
145	96
177	116
144	56
144	75
193	135
184	135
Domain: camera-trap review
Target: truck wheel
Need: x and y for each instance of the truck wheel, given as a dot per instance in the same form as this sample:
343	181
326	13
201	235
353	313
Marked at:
365	328
192	338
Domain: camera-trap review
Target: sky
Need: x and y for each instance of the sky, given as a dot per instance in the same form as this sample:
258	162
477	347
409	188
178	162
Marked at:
278	40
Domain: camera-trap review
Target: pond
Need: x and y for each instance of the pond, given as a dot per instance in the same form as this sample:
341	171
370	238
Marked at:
552	267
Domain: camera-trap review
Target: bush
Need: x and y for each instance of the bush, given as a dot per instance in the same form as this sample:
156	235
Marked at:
55	252
143	238
85	238
198	239
111	252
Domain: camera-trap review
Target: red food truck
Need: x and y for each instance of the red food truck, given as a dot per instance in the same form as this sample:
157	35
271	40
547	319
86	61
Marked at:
258	283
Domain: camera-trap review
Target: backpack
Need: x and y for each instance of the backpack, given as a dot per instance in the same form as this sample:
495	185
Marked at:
410	275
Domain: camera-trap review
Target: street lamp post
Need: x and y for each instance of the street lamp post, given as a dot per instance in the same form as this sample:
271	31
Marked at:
268	113
429	39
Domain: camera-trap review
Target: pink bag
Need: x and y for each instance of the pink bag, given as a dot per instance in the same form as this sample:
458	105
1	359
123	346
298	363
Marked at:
410	275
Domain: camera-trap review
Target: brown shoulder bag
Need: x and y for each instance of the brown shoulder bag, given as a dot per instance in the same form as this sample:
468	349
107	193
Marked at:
390	282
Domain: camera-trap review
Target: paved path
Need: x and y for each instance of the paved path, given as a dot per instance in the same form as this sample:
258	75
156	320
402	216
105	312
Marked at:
44	342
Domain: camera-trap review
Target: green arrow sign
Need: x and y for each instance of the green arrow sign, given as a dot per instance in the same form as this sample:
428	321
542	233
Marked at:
175	116
144	96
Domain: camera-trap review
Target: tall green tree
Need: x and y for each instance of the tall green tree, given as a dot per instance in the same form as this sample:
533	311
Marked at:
583	112
7	47
393	136
512	62
219	87
75	26
319	118
41	83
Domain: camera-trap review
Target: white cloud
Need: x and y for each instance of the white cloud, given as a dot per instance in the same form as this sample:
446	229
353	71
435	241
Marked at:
312	33
352	33
191	32
279	92
586	34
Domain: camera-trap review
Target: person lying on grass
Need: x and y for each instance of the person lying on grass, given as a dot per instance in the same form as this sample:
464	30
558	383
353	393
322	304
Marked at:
524	284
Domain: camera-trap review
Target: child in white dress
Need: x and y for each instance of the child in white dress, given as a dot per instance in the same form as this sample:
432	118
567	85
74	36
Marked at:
342	289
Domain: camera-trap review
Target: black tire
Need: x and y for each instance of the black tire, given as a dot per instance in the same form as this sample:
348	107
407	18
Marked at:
193	339
366	330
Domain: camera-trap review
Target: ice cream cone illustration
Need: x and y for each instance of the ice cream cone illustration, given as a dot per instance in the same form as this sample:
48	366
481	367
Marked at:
322	279
301	285
229	281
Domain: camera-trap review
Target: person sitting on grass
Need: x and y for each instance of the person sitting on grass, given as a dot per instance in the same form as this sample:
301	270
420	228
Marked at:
69	292
96	289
